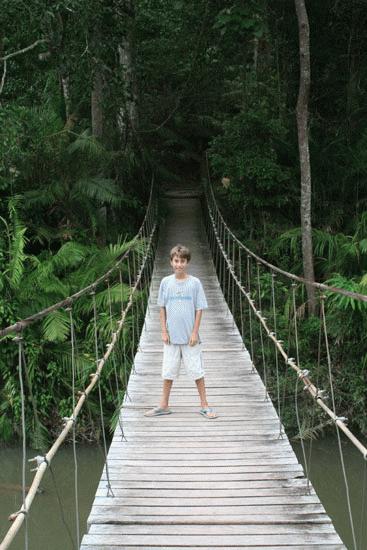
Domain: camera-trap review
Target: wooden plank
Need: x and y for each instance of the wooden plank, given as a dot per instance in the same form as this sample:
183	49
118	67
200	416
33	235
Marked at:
121	475
149	500
201	540
126	483
325	546
219	519
205	469
246	529
114	513
120	462
178	492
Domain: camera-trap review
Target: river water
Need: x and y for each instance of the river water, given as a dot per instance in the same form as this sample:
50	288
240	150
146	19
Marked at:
53	509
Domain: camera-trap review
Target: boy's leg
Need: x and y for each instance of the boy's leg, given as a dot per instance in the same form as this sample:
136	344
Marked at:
200	383
170	370
166	390
193	360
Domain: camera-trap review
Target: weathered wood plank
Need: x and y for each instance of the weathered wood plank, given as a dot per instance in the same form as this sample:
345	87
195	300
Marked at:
112	514
177	492
150	500
204	476
247	529
201	540
325	546
218	519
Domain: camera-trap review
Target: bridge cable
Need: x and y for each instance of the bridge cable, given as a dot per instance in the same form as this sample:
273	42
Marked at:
300	375
109	488
326	338
23	510
240	293
76	495
261	331
233	285
313	409
253	368
118	397
273	276
363	523
123	339
61	508
139	310
132	345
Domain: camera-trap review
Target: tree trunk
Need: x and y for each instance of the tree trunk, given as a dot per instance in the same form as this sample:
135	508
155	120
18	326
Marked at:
304	153
127	118
65	86
96	104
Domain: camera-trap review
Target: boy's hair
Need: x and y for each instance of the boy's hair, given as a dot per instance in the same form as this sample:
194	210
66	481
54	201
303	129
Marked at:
180	251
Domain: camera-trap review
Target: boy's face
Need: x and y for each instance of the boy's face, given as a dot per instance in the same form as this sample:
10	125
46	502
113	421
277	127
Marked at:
178	264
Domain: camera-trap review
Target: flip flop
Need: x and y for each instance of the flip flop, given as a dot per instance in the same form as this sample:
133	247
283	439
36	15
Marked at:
157	411
205	412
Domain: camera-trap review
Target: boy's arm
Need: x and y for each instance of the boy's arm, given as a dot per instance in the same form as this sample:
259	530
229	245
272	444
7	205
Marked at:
163	319
194	335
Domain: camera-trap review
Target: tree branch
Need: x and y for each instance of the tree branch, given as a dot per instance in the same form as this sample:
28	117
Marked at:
3	78
13	54
40	41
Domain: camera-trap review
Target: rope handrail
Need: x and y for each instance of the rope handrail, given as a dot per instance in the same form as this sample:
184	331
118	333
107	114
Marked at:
43	462
320	286
22	323
315	392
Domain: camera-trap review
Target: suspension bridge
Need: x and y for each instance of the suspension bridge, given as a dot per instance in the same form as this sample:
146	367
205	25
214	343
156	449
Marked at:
182	481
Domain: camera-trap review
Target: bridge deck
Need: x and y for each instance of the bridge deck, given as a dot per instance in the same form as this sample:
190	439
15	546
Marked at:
183	481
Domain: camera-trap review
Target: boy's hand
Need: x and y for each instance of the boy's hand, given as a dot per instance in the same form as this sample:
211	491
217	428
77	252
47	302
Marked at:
165	337
193	339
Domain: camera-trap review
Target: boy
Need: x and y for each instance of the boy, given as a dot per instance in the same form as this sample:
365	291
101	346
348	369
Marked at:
181	299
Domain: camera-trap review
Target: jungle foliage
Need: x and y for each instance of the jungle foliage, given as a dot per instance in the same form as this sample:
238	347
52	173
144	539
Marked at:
114	91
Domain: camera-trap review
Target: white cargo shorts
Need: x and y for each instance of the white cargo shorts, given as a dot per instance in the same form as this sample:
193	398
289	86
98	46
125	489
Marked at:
191	357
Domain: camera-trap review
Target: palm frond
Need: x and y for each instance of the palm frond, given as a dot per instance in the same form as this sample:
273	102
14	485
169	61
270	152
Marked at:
17	255
87	144
56	326
70	255
103	299
102	190
342	302
311	432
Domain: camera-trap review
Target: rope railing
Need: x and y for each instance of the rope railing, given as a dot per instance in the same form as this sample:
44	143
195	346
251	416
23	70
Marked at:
140	273
216	234
227	252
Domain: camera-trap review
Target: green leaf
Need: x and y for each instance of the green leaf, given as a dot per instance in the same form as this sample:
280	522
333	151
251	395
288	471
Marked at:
56	326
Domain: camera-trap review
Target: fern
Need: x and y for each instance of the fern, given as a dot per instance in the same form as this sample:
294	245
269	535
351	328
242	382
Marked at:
56	326
342	302
69	256
311	432
102	299
17	241
103	190
85	143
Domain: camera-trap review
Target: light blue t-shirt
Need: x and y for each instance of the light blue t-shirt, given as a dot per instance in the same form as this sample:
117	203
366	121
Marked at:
181	300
